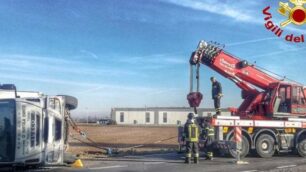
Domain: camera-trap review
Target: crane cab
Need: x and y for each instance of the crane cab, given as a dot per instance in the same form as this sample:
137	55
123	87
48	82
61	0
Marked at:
287	100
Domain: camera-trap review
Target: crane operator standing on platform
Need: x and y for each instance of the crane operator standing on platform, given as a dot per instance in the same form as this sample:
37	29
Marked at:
191	135
216	94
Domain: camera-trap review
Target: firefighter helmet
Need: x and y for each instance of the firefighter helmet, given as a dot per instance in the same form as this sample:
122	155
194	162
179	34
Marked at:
190	116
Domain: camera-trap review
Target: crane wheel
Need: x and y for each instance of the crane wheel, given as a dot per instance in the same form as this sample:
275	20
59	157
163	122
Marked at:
245	148
265	146
301	147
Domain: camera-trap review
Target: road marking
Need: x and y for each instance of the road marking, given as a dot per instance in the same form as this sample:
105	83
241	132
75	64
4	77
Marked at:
286	166
249	171
45	168
159	154
107	167
151	155
153	163
132	156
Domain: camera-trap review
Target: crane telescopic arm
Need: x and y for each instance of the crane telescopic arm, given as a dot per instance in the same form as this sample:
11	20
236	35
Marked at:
239	71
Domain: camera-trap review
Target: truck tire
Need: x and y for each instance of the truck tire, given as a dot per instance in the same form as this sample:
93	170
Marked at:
265	146
245	148
70	101
301	147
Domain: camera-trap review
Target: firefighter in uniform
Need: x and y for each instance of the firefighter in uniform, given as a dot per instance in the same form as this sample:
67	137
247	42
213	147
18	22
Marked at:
191	135
209	137
216	94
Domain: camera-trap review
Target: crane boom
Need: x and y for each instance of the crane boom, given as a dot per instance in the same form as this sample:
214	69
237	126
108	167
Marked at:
232	67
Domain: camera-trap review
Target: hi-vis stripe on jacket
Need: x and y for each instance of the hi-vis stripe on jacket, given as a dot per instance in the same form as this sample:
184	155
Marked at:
193	133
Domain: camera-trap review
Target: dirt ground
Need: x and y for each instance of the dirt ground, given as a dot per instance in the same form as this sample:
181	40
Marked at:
124	139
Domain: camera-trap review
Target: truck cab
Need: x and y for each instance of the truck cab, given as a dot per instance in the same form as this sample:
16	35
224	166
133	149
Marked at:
33	128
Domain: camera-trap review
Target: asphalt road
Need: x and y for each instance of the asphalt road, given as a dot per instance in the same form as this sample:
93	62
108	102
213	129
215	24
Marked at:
173	162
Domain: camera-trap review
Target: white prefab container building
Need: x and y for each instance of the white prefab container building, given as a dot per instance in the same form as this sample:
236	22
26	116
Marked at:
157	115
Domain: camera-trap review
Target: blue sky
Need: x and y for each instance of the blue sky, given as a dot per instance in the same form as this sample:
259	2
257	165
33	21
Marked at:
119	53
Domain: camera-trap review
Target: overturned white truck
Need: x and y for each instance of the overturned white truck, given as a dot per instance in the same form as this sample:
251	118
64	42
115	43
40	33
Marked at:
33	127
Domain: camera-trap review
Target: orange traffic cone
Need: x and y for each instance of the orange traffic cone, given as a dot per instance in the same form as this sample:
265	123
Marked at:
77	164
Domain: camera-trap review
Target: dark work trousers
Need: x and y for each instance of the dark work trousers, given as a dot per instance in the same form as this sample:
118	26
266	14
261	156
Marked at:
217	105
192	147
209	146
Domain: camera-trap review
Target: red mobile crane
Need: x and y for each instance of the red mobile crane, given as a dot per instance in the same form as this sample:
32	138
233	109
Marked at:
273	112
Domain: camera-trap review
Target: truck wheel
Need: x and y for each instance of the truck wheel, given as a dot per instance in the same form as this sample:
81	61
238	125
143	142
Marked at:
245	148
265	146
71	102
301	147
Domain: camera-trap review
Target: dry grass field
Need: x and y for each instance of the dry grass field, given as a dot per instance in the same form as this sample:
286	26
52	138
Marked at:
124	138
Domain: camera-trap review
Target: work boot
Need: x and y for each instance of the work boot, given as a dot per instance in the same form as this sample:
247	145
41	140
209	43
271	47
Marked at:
209	158
196	160
187	160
